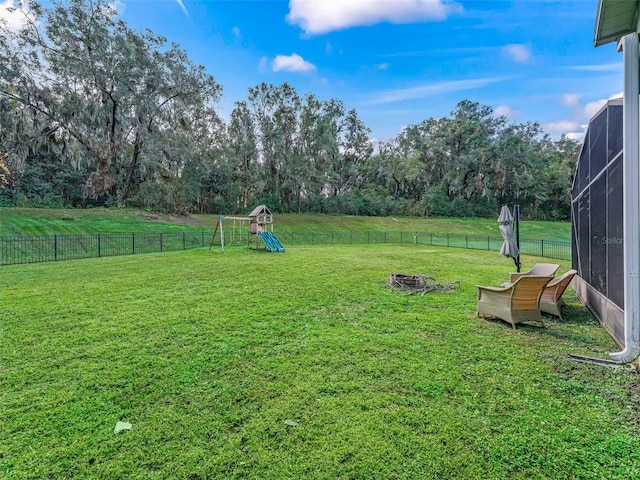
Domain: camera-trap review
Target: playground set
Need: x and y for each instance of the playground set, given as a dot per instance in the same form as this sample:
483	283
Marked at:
260	228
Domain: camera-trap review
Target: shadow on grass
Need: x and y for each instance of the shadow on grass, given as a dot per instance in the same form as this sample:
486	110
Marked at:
572	314
576	314
566	335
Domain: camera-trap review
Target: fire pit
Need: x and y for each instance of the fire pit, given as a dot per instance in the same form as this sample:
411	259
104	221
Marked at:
418	283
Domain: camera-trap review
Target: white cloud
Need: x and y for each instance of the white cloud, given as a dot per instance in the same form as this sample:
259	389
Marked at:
113	9
506	111
578	136
570	129
562	126
236	32
518	52
576	126
262	64
604	67
591	108
322	16
118	6
383	66
570	99
184	9
433	89
583	113
15	19
291	63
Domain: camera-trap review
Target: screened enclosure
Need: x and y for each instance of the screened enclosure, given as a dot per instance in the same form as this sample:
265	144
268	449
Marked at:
597	231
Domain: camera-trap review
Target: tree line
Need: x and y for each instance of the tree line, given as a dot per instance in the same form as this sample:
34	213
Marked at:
95	113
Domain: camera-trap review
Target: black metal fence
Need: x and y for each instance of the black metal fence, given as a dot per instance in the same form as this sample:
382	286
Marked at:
539	248
54	248
22	249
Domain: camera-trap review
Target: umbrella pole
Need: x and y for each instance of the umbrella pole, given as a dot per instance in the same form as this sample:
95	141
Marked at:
516	221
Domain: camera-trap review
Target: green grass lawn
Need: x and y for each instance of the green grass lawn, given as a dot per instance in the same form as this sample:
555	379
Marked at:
531	230
38	221
45	221
299	365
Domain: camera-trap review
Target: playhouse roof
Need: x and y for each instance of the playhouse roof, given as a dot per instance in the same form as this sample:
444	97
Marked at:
260	210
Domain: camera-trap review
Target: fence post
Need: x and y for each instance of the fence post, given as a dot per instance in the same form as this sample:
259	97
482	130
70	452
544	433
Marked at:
331	238
99	246
368	237
488	243
160	243
202	238
350	238
542	247
184	245
466	240
385	236
447	239
133	244
400	238
55	248
431	238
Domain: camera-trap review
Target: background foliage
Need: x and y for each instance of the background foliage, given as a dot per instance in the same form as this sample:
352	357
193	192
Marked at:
17	221
95	113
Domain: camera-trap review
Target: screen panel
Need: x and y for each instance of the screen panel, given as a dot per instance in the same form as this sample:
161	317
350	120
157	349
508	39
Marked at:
582	173
614	132
598	236
583	236
598	144
575	228
597	215
615	234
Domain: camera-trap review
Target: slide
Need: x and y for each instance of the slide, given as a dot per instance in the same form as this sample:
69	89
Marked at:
271	241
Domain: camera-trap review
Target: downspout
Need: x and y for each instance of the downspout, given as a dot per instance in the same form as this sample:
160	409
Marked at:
631	203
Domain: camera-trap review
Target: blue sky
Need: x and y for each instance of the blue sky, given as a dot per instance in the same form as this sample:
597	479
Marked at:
398	62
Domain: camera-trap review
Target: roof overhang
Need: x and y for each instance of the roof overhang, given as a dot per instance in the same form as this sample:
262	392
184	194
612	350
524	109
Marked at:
615	19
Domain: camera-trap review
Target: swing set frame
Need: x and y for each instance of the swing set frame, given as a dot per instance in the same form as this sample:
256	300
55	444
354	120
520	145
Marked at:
260	221
219	226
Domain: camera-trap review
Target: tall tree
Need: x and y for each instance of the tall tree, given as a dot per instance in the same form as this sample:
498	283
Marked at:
112	95
4	173
321	128
276	110
355	148
244	153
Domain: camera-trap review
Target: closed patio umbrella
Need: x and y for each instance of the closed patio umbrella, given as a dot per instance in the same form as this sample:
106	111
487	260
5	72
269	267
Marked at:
509	246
